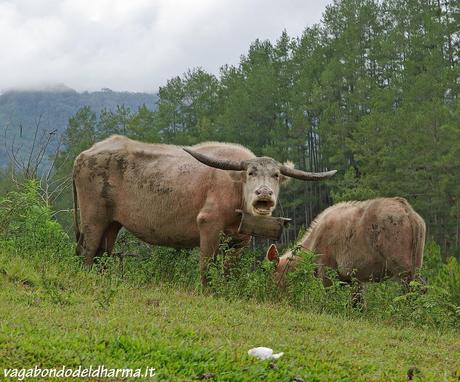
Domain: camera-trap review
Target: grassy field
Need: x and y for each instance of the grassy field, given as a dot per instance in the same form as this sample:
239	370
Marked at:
59	317
151	312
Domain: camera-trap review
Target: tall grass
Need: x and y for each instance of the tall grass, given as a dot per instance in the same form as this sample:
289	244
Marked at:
36	252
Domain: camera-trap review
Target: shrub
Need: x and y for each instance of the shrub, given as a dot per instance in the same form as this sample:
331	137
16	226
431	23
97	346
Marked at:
27	223
241	275
425	306
443	274
157	264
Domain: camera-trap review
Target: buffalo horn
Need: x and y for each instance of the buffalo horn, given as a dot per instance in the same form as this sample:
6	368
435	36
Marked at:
303	175
223	164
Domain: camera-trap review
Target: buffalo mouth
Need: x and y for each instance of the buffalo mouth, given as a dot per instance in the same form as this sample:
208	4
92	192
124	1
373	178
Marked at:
263	206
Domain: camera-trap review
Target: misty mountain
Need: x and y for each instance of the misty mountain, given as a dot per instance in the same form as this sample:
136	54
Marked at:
51	108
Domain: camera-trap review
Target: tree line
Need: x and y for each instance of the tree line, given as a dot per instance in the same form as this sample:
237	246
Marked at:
371	91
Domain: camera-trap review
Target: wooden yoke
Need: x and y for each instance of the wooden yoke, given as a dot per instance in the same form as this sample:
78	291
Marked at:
262	226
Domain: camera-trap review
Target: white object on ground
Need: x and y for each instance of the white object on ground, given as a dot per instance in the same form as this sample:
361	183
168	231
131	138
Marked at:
264	353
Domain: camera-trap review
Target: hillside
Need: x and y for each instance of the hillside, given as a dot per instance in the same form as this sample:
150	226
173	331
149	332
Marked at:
20	111
150	311
86	319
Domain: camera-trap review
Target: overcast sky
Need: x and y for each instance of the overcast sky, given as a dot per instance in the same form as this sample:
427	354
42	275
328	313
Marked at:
135	45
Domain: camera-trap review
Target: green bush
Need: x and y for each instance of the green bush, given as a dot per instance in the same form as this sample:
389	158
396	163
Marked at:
449	278
443	274
303	288
241	275
27	223
425	306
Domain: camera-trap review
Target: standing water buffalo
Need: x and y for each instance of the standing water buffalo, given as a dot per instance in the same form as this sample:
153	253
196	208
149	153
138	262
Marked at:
366	240
172	196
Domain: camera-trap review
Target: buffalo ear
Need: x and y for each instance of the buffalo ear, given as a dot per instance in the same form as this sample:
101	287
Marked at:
272	254
283	178
237	176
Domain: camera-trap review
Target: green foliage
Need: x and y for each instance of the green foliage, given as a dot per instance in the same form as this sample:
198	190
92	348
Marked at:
426	305
240	275
150	309
445	274
26	222
28	229
449	279
352	188
107	288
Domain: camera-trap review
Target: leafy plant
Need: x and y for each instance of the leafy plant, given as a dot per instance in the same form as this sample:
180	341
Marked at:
26	222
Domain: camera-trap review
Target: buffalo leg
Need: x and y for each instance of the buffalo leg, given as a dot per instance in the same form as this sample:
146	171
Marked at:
109	237
323	263
357	296
210	230
90	242
209	243
321	272
235	247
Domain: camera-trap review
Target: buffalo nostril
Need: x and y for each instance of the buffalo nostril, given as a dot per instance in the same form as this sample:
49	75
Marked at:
264	191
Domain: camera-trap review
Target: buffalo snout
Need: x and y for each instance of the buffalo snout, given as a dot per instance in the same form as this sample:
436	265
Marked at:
264	191
264	201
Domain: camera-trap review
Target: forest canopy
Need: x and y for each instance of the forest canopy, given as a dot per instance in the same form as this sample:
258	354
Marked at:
371	91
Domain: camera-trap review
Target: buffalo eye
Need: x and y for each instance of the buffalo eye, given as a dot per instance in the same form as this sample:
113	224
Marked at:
276	175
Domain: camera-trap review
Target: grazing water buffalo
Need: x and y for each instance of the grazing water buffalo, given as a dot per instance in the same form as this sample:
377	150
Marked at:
367	241
172	196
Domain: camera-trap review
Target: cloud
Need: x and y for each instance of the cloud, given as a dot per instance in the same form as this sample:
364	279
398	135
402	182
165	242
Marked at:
135	45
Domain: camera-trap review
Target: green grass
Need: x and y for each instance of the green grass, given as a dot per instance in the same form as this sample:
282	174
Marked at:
62	315
151	312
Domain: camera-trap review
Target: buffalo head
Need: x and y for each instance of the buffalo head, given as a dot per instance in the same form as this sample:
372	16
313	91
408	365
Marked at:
261	178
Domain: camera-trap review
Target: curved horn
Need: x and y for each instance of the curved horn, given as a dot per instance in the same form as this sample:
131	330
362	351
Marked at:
223	164
303	175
